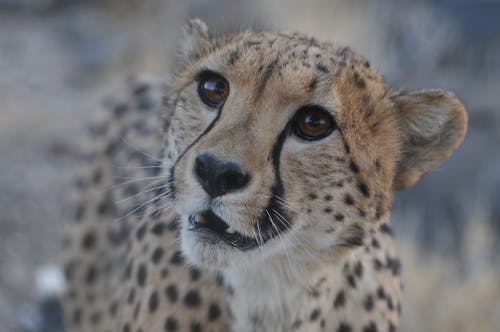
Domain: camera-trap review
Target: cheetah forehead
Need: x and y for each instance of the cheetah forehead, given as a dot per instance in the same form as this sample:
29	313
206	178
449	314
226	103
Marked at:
302	63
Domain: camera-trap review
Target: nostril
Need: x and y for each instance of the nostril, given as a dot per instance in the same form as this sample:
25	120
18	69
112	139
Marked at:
235	179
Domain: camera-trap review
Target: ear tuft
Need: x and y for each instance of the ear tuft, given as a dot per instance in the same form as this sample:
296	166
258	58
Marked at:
194	38
432	124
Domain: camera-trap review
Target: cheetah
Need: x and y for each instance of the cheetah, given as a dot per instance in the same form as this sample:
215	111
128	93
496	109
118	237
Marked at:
251	192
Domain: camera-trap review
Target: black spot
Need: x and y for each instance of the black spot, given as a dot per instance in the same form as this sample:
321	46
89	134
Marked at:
219	280
104	207
89	240
140	89
192	298
176	258
119	110
128	271
126	328
343	327
157	255
131	296
172	225
214	312
363	188
339	217
111	148
322	68
268	73
141	275
116	237
195	327
358	269
367	64
370	327
392	327
164	273
194	273
390	304
233	57
351	281
91	275
339	300
313	196
354	236
375	243
328	197
360	83
347	148
77	316
171	324
171	293
313	84
95	318
394	264
361	213
153	301
297	324
378	211
368	303
158	228
348	199
315	314
137	309
251	43
97	176
385	228
140	232
381	293
328	210
113	308
354	167
79	213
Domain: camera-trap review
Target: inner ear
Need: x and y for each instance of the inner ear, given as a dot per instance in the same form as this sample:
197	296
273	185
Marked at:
195	37
432	125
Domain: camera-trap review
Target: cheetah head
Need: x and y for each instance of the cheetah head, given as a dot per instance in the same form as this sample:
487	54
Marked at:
280	145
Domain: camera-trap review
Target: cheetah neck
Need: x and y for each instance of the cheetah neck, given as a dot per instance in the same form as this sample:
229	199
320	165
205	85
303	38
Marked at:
276	294
271	296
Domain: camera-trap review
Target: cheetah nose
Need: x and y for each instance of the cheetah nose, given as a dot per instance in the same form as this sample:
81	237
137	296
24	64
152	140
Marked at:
218	177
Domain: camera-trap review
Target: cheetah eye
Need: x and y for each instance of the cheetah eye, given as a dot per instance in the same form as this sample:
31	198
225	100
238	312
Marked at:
313	123
212	88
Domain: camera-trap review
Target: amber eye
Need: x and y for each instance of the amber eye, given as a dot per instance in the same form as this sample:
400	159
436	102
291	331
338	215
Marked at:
313	123
213	89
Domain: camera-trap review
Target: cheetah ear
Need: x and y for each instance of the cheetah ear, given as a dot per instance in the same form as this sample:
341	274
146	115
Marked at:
194	39
432	124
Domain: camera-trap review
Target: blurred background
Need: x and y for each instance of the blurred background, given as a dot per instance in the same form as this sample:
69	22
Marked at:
60	58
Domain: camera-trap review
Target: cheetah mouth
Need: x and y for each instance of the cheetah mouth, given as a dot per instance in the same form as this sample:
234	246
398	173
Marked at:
209	223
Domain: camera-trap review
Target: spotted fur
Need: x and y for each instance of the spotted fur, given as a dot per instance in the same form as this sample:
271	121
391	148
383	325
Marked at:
132	262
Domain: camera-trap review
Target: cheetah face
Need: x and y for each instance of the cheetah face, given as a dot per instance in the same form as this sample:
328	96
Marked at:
278	145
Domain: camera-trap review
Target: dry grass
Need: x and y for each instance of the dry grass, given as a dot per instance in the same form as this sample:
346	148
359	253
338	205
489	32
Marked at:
456	293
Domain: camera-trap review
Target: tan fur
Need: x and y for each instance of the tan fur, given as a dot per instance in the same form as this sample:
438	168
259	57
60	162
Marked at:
332	267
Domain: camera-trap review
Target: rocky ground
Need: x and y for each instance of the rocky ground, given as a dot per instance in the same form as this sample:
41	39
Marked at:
59	58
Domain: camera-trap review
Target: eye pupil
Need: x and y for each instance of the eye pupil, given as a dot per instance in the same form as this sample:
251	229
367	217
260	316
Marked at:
313	123
213	89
